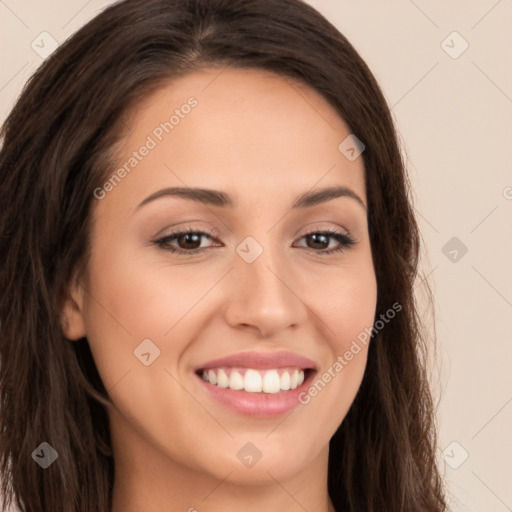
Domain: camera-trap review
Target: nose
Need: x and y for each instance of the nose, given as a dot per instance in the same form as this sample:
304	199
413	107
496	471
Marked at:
263	296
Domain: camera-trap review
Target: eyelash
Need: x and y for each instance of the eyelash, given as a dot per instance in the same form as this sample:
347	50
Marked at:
346	241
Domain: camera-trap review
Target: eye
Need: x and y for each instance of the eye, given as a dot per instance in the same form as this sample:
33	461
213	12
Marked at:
322	240
188	241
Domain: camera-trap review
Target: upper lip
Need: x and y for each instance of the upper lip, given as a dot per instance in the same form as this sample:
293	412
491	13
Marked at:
260	360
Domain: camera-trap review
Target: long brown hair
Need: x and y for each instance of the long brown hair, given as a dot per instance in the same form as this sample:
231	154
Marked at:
57	147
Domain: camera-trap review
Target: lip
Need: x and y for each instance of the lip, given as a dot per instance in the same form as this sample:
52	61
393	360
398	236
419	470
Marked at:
260	361
258	405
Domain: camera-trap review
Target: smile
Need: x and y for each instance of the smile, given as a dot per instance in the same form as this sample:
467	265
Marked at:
252	380
256	384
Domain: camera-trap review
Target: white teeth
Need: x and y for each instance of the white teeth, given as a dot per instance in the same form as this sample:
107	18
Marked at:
285	381
236	381
212	377
252	381
271	382
222	379
255	381
294	379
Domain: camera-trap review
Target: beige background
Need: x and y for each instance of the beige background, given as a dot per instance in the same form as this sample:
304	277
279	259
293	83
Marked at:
455	118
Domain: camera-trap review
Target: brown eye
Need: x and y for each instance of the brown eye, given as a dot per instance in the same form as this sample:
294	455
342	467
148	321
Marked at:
185	242
319	241
189	241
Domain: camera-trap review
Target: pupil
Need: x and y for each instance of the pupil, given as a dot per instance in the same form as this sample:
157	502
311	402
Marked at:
196	242
323	239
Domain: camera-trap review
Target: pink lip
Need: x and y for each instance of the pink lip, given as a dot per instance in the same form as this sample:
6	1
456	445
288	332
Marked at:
260	361
258	405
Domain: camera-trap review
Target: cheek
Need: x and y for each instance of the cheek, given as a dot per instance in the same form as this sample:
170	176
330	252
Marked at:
147	298
346	303
345	308
351	311
131	299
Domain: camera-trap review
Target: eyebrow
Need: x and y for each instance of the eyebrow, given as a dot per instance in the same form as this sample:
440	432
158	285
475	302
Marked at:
221	199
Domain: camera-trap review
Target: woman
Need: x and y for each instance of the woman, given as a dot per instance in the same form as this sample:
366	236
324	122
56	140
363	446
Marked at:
208	257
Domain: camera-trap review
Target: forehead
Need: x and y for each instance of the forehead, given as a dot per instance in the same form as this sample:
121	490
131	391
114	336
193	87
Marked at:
228	128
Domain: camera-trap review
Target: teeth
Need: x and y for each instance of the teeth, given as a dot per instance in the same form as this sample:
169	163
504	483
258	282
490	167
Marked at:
271	382
236	381
294	379
252	381
222	379
212	377
285	381
255	381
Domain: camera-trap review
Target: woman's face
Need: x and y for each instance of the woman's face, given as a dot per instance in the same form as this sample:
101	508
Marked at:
258	281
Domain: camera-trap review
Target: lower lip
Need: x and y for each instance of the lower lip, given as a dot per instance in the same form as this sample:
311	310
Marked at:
258	405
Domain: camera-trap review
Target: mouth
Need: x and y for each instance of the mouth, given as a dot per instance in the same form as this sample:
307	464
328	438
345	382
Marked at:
252	380
259	385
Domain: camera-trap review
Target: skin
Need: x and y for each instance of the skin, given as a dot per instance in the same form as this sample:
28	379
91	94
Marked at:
264	141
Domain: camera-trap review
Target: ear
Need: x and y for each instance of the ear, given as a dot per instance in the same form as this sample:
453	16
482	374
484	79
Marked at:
72	317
